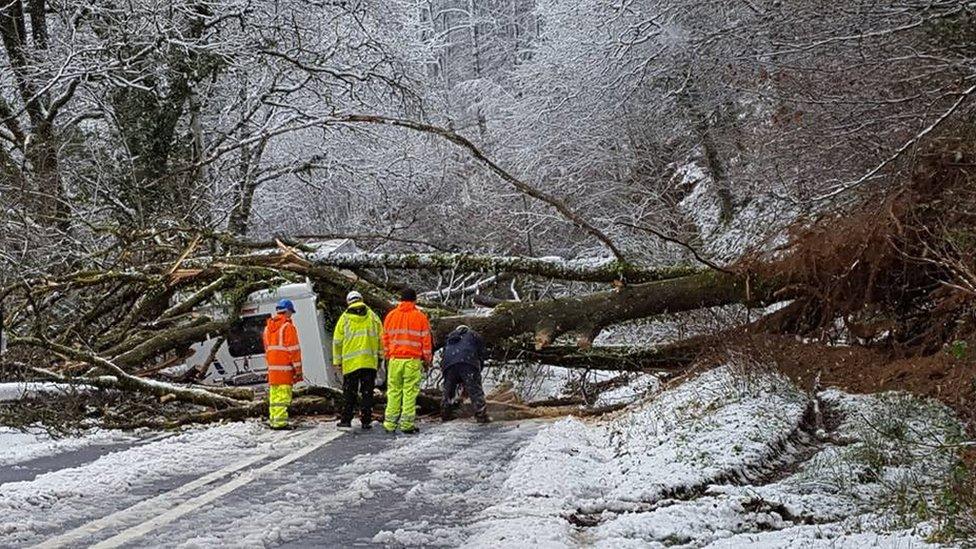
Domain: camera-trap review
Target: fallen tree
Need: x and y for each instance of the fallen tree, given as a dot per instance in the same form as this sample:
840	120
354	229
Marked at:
883	268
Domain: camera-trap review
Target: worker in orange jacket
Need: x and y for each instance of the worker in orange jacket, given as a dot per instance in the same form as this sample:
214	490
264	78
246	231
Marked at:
284	358
409	350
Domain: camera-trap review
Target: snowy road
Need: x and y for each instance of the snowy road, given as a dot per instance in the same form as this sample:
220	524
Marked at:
730	458
240	484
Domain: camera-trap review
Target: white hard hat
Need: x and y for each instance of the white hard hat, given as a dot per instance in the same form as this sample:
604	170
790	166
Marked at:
353	296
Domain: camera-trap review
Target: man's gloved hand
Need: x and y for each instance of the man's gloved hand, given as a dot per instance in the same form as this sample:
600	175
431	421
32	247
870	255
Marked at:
299	374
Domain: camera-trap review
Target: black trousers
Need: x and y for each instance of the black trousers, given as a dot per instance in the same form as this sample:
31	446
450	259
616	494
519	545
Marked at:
470	377
358	383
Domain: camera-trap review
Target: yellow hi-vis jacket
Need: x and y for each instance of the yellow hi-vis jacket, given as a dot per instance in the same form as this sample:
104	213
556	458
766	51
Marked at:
357	339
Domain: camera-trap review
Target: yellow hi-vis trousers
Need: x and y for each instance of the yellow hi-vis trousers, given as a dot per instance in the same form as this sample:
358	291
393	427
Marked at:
403	376
279	398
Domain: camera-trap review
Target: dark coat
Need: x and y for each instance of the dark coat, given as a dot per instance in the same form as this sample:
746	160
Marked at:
463	346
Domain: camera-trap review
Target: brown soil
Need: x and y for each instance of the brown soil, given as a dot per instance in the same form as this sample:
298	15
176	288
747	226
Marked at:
862	370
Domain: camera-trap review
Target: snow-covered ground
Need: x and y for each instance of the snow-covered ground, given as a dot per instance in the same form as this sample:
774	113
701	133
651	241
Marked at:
730	458
755	224
726	459
638	386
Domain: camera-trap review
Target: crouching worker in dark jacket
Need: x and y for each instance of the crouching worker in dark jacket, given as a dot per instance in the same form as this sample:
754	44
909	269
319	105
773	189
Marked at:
464	353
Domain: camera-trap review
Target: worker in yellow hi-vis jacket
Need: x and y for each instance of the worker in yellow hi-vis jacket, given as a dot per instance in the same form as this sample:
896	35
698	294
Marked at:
357	349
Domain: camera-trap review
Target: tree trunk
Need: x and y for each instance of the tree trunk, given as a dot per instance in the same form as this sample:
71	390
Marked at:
713	159
578	270
40	146
669	358
586	316
46	178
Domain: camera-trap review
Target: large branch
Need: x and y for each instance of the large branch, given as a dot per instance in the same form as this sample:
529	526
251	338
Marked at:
549	267
77	280
472	149
127	381
145	349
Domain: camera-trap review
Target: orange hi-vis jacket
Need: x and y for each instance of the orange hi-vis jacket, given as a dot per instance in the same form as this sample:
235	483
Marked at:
281	351
406	333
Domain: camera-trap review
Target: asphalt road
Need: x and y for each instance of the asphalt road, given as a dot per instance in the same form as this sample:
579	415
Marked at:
322	488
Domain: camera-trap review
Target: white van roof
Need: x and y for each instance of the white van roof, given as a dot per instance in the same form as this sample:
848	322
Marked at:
340	245
288	291
320	247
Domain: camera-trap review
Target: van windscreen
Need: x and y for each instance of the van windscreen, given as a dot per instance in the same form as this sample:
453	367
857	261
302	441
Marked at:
244	337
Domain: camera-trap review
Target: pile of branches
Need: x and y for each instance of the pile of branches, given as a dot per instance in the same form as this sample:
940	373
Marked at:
897	270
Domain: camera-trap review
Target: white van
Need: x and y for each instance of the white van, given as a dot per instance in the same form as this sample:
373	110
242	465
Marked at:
240	359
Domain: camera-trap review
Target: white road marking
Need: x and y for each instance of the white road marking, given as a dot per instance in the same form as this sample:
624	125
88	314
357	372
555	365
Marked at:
191	505
150	507
156	438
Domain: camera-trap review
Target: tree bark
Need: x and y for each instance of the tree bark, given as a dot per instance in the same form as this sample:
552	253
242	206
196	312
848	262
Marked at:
671	358
585	316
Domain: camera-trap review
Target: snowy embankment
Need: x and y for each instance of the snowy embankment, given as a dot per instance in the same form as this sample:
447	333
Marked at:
727	458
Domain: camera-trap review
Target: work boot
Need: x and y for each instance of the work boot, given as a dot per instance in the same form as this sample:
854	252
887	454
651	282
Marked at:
367	423
411	431
447	415
483	418
286	427
344	425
